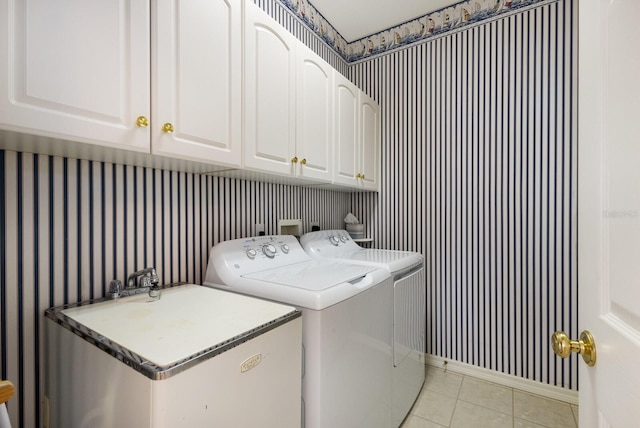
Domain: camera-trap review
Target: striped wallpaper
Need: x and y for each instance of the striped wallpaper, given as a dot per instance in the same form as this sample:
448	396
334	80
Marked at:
479	173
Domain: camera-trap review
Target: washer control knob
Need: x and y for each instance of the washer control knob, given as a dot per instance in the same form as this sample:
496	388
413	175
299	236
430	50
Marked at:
343	238
251	253
334	240
269	250
285	248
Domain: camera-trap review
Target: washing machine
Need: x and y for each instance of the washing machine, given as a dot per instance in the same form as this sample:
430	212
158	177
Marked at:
346	323
408	302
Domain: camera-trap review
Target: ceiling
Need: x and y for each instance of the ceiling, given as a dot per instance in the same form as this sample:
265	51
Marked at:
355	19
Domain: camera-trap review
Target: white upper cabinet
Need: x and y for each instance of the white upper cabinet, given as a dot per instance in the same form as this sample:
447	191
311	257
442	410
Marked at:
357	136
214	82
270	93
76	70
346	113
314	142
197	77
369	145
109	73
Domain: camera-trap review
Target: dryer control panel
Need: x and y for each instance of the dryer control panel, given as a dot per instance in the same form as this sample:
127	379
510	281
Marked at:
330	242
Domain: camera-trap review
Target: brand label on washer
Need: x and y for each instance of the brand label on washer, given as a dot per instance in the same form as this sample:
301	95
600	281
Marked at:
250	363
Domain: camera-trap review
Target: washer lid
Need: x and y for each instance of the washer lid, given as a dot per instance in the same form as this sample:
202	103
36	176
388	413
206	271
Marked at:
313	275
384	256
338	245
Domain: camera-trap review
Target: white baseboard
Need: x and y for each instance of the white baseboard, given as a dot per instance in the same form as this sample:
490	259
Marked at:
526	385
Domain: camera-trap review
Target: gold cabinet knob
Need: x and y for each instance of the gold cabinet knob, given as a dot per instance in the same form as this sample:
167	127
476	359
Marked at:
142	121
362	176
167	128
586	346
303	161
294	159
359	175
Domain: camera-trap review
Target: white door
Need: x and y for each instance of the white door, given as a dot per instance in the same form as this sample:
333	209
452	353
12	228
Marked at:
314	126
197	80
76	70
609	210
270	85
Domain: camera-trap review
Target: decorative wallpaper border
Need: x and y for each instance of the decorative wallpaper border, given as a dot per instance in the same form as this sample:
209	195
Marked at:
437	23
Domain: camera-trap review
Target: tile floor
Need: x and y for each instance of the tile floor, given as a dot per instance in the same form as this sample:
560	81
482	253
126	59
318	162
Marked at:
453	400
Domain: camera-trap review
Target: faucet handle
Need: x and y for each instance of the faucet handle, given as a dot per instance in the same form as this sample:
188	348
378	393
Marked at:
115	288
153	277
151	282
154	292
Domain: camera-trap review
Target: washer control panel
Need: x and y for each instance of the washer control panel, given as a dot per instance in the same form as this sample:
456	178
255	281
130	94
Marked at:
259	253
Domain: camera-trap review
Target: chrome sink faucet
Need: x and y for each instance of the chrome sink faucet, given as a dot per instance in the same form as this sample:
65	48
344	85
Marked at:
148	278
138	282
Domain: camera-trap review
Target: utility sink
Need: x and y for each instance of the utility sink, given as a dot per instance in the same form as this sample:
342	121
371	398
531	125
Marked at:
171	331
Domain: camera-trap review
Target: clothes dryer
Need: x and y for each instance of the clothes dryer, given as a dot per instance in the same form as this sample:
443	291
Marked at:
408	303
346	323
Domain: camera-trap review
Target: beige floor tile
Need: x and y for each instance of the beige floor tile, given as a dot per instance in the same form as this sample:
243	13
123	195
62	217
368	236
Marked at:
443	382
521	423
576	412
487	394
435	407
414	421
469	415
543	411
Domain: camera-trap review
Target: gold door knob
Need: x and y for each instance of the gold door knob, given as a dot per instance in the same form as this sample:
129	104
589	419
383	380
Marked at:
303	161
167	128
294	159
142	122
586	346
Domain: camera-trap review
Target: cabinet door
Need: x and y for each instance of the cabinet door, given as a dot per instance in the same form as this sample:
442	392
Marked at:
314	125
270	84
369	143
346	112
76	70
196	75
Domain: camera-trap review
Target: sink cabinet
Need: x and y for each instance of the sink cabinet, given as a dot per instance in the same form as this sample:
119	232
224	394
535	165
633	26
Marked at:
161	78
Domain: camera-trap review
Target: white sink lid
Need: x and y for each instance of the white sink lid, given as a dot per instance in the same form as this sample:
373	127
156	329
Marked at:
186	320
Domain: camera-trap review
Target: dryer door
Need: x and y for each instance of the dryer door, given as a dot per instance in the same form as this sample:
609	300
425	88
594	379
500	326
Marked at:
409	325
409	319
